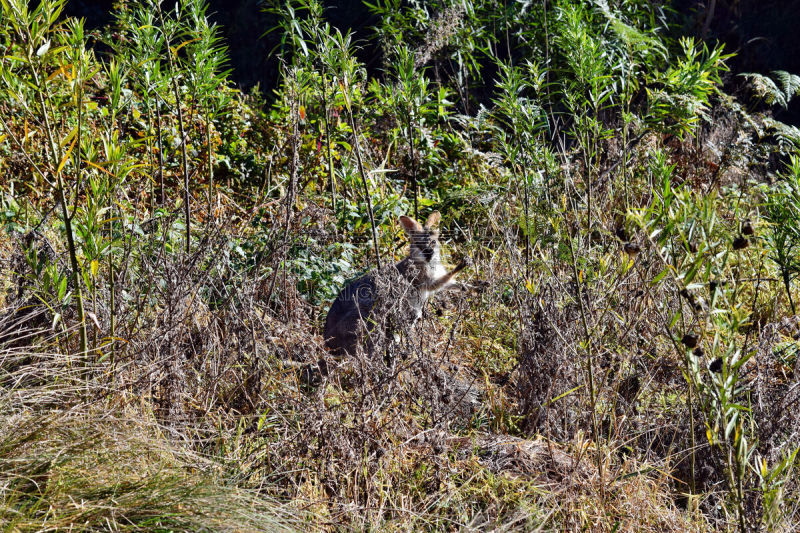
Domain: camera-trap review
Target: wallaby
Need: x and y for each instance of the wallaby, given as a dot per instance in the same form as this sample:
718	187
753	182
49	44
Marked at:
421	274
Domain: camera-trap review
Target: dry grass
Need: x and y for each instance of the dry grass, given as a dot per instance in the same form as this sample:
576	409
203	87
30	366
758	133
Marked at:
76	455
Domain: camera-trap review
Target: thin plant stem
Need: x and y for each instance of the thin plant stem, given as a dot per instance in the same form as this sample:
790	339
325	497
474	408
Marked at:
363	174
325	106
184	158
43	96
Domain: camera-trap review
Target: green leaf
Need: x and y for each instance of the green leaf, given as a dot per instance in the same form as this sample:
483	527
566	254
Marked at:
563	395
62	288
661	275
731	425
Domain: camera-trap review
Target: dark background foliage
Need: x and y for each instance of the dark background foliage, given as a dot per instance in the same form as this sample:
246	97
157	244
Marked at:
763	33
246	29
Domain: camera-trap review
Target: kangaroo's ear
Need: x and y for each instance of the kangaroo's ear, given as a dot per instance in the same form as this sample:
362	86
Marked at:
409	224
433	220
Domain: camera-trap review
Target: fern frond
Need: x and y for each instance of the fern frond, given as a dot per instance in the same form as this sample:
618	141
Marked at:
778	89
789	83
764	89
787	136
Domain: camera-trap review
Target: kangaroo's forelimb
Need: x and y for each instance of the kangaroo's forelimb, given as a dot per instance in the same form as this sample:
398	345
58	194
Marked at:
441	282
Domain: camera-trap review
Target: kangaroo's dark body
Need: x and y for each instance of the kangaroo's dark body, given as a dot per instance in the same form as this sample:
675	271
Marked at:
352	309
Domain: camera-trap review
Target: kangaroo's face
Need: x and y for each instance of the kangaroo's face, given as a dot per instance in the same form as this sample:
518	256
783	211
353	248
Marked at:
424	240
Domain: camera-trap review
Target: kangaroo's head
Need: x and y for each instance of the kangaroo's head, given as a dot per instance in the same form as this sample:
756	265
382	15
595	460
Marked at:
424	239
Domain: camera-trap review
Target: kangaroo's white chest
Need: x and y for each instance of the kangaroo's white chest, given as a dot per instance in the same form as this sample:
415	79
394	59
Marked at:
418	300
439	270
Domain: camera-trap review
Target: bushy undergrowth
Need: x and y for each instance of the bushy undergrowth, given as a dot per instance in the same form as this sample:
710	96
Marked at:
624	358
